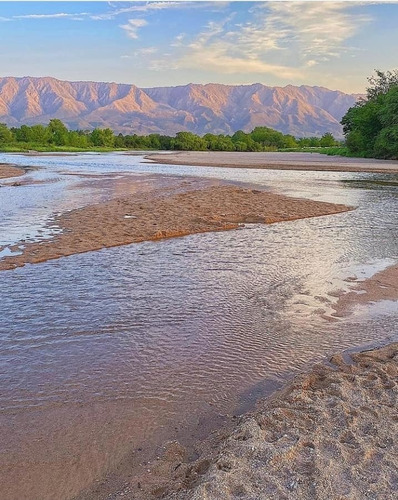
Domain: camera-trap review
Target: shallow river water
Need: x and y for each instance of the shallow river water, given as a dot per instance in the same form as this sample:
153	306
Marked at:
121	349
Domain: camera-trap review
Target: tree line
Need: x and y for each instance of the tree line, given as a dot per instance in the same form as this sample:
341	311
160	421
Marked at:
56	135
371	126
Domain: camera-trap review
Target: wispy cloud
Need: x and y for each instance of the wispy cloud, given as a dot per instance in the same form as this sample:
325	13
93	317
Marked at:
145	51
132	27
319	30
283	39
150	7
58	15
143	7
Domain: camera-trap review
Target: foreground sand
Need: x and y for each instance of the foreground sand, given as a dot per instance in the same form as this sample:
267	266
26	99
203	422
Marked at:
7	170
164	214
330	434
279	161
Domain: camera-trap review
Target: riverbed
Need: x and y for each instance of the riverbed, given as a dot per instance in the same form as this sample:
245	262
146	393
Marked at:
110	354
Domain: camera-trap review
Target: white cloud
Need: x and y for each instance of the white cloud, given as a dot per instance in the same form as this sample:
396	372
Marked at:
59	15
217	59
145	51
148	7
132	27
284	39
178	40
317	30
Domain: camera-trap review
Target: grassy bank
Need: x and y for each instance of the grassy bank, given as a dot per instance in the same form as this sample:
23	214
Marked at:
25	148
331	151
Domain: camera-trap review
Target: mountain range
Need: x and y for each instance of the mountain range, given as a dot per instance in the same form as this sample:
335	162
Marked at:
215	108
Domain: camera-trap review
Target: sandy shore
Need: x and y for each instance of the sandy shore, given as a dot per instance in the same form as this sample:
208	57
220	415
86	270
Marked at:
279	161
330	434
159	214
7	170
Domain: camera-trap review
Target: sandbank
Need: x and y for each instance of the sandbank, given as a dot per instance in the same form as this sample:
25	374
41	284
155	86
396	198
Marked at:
7	170
382	286
163	214
279	161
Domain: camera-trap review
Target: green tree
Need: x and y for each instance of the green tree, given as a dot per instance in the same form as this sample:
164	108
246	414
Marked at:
6	136
22	134
370	127
102	137
327	140
58	132
267	137
39	134
187	141
381	83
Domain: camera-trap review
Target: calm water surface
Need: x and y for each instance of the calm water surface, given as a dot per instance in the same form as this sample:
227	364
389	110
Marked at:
109	351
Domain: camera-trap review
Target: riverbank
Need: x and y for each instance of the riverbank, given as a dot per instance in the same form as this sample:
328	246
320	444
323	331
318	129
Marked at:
279	161
188	208
7	170
331	433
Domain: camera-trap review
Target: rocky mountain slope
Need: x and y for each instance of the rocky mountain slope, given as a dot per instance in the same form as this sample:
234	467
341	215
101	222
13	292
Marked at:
221	109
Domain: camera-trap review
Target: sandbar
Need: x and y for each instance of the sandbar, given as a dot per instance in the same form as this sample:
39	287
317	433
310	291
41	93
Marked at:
382	286
278	161
7	170
159	214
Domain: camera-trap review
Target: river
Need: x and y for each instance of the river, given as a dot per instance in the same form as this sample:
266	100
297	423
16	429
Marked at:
122	349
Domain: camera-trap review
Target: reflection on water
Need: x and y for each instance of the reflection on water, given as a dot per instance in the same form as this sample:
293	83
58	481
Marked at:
123	348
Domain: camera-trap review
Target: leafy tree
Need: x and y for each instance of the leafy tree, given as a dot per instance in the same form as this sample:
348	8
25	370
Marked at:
187	141
22	134
5	134
371	125
102	137
268	137
381	83
58	132
388	112
327	140
289	141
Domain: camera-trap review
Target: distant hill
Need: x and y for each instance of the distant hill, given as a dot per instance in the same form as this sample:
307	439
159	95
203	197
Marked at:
220	109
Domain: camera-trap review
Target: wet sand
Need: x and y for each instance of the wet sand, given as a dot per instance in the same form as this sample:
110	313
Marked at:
382	286
331	433
7	171
163	214
279	161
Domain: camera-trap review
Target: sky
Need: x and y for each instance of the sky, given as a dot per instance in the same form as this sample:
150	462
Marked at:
332	44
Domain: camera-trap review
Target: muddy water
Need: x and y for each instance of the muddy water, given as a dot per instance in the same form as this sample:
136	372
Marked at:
113	351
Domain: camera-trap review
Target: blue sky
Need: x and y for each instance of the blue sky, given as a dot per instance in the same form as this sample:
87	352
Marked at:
332	44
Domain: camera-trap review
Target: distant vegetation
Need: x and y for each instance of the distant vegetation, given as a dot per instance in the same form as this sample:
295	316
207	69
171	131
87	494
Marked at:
371	126
56	137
